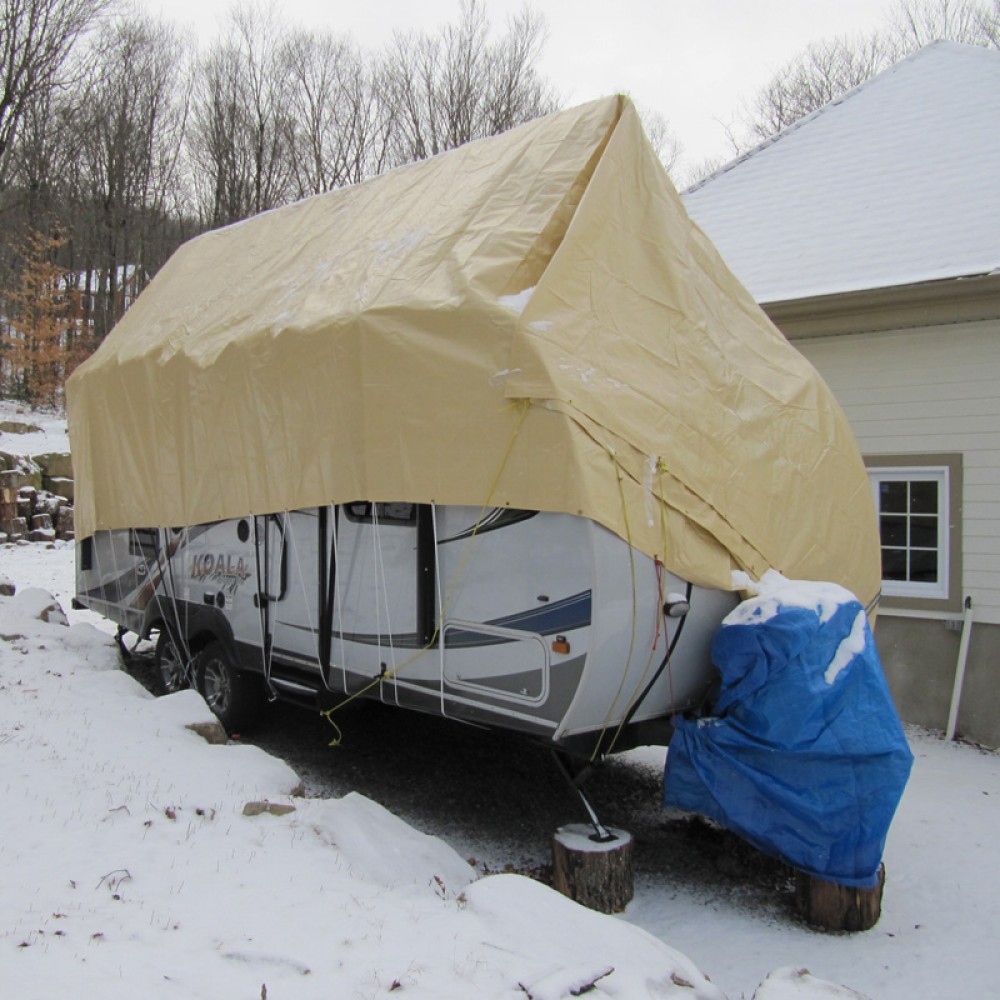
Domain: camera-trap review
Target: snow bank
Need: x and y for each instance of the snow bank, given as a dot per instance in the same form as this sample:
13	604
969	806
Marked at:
558	940
128	866
50	434
790	983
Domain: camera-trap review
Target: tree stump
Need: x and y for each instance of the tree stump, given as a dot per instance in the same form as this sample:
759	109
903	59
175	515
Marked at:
836	907
597	875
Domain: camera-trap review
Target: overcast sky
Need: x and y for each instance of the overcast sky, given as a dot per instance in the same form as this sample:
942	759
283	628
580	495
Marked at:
692	60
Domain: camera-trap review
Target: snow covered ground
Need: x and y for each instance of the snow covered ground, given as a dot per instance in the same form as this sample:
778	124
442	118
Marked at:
49	436
128	867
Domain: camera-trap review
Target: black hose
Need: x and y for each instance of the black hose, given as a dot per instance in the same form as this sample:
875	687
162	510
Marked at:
657	675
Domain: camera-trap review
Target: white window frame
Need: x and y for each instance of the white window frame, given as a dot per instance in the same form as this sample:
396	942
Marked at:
941	475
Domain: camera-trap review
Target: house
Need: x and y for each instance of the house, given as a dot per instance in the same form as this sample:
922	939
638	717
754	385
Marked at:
869	231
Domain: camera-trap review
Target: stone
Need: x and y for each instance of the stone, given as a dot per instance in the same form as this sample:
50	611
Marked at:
40	605
22	475
210	732
55	464
14	528
64	522
19	427
61	486
271	808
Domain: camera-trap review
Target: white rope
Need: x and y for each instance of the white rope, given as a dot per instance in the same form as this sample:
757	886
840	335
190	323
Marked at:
337	599
269	662
167	579
380	575
440	607
262	601
293	548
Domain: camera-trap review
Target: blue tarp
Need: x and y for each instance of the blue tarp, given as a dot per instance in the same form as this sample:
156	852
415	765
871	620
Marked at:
804	755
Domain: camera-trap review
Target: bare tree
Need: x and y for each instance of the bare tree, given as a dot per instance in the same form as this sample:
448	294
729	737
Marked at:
989	25
36	37
661	136
131	120
515	91
824	71
241	119
336	133
443	90
830	68
43	159
915	23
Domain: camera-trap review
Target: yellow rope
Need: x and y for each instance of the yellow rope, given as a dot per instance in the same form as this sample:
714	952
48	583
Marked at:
631	643
661	468
522	405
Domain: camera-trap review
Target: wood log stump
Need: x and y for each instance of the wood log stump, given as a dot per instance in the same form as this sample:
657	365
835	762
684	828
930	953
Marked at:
596	875
836	907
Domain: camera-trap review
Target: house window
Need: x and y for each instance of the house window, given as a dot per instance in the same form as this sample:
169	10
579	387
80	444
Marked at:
917	511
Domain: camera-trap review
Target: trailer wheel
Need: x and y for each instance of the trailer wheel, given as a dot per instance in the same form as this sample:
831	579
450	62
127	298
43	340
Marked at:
235	696
172	667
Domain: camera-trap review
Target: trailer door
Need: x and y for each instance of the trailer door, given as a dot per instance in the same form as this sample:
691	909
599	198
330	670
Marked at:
294	555
384	612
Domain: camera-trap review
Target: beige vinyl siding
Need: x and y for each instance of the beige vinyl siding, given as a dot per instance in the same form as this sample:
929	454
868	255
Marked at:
924	391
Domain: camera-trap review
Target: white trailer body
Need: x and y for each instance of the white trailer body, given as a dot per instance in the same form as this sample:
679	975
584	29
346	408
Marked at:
544	623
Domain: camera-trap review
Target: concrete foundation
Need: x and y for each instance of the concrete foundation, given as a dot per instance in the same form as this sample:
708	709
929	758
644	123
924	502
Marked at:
919	658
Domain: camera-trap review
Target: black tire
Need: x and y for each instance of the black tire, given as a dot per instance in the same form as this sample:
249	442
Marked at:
174	671
235	696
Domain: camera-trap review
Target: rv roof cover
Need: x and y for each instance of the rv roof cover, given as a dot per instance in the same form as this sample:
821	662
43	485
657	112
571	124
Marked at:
530	320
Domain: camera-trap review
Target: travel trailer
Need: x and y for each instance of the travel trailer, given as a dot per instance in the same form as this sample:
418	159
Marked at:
485	436
543	623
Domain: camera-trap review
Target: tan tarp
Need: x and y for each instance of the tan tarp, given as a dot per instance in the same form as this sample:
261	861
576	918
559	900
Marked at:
528	320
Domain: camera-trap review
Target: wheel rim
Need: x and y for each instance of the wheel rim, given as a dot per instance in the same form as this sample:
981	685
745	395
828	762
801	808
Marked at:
172	669
217	686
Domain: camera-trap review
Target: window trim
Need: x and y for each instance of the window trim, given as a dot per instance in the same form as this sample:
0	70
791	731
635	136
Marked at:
946	466
376	513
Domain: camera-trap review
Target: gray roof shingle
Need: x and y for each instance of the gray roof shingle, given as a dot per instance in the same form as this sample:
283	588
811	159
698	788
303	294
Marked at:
894	183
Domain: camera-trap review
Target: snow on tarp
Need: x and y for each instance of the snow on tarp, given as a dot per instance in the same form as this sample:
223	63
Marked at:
805	756
529	320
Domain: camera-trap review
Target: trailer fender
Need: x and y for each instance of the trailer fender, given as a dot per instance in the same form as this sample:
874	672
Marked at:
195	626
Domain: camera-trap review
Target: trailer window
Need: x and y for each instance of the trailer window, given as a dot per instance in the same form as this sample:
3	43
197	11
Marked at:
363	512
143	542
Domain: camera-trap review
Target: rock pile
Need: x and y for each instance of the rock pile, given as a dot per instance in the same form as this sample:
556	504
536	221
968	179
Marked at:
36	496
